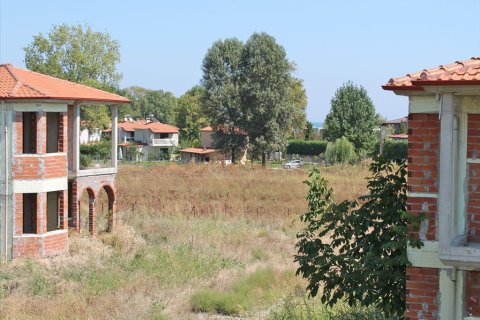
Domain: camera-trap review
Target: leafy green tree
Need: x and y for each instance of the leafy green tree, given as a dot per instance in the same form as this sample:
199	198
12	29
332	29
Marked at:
222	83
190	116
340	151
266	81
357	251
78	54
352	115
145	102
297	97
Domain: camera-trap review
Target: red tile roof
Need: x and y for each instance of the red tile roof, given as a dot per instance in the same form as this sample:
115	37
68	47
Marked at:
207	129
20	84
221	128
459	73
199	150
155	127
396	121
401	136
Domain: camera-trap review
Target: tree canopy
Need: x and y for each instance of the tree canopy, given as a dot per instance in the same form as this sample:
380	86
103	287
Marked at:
77	53
353	116
146	102
266	80
190	116
222	83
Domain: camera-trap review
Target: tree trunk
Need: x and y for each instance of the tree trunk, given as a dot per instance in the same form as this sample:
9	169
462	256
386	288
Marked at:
264	159
234	156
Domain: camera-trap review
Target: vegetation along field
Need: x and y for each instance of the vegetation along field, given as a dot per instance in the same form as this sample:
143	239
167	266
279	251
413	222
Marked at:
192	242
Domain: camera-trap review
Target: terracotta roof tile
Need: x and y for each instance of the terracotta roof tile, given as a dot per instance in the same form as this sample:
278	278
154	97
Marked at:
155	127
458	73
199	150
17	84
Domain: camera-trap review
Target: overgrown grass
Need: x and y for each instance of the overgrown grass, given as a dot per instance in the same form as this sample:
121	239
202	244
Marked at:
302	308
181	229
256	289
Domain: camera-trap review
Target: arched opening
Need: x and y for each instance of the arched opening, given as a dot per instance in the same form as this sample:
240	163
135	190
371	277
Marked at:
105	209
87	212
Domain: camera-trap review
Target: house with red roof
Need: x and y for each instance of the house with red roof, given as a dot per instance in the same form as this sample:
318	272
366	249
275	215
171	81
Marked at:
443	185
42	177
208	152
152	139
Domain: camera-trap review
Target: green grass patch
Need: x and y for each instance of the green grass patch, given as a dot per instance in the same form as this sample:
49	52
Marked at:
257	289
302	308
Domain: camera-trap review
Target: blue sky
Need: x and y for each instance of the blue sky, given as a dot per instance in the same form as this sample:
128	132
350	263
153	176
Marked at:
163	42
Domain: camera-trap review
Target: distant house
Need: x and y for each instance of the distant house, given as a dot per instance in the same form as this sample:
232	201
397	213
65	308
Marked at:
207	153
395	129
153	140
90	135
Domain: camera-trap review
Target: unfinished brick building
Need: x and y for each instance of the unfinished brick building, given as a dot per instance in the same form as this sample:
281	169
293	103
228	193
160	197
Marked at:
41	178
444	184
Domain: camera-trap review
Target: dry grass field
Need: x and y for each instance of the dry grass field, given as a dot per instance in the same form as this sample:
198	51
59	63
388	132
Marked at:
189	238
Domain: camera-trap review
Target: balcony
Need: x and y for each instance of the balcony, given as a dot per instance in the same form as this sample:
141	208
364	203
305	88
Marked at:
163	142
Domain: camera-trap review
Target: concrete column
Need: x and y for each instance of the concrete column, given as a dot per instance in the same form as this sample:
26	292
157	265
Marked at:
447	171
114	109
76	138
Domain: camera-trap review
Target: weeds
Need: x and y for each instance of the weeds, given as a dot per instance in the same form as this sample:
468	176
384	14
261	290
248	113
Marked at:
180	229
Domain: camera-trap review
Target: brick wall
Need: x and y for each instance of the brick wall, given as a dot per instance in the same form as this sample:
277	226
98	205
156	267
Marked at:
428	208
423	142
473	176
93	184
39	166
472	293
422	293
423	155
37	246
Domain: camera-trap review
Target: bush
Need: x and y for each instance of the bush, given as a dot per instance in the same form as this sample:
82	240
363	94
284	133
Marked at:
365	257
307	148
395	149
340	151
85	161
100	150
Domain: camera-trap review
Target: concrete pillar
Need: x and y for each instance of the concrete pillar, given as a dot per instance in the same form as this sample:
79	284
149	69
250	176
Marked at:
114	109
76	138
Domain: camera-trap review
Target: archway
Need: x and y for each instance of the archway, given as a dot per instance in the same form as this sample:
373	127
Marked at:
105	205
86	206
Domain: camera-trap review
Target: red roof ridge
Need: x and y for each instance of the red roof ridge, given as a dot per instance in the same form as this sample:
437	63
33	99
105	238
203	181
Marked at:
466	72
19	83
39	85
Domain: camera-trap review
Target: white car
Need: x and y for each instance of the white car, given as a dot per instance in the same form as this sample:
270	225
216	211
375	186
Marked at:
293	164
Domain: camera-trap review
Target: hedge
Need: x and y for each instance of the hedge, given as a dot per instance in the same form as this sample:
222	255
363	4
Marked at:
307	148
395	149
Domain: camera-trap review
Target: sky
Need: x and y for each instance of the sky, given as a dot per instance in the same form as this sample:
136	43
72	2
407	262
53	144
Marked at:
163	43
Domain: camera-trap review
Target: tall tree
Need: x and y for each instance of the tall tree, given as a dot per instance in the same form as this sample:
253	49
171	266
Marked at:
352	115
222	83
266	77
190	116
78	54
298	98
145	102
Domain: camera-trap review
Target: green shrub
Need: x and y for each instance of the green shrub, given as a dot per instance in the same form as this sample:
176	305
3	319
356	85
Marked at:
99	150
244	293
85	161
308	148
395	149
340	151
